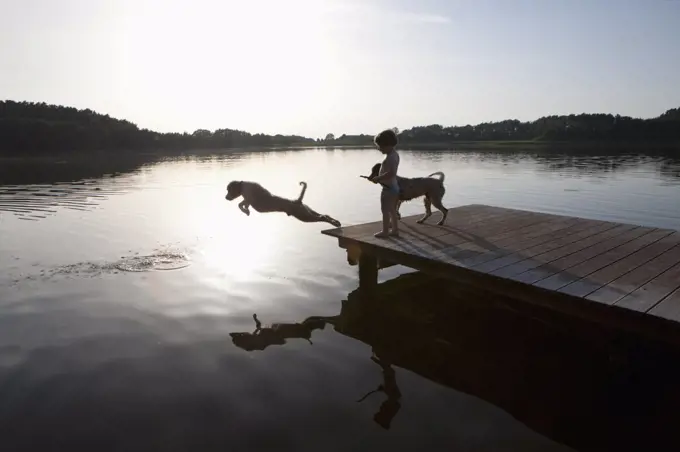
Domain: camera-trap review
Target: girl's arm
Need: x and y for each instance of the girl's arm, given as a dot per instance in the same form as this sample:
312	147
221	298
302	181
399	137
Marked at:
391	170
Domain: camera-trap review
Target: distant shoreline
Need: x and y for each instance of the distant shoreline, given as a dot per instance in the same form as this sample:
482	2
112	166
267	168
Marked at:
516	145
42	129
609	148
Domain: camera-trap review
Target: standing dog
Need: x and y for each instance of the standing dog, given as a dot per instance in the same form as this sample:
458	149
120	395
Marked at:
263	201
415	187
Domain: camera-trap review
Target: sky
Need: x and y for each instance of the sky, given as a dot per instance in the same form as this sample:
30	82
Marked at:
313	67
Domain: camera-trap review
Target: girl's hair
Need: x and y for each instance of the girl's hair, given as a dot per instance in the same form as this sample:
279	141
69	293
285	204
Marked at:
386	138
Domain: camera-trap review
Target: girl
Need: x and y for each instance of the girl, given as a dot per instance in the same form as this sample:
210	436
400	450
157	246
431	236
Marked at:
386	141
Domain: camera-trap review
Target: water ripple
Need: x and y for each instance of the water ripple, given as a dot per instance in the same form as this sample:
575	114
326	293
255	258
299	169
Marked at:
92	321
36	202
160	260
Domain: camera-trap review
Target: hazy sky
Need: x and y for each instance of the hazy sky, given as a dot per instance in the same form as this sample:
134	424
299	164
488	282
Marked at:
342	66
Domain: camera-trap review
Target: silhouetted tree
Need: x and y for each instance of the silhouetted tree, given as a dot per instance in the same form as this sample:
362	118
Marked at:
38	128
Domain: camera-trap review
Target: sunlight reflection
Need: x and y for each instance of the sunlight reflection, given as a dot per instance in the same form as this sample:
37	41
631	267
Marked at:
232	245
240	248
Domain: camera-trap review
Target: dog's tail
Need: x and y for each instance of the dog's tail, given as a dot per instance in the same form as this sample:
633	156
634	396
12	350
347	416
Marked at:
438	173
302	193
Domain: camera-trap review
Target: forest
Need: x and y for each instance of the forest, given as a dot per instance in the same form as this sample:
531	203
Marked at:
38	128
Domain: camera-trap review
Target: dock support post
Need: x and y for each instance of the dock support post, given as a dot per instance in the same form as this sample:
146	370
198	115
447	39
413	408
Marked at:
368	271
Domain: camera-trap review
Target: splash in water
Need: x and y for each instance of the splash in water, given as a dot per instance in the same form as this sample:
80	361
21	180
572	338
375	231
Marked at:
156	261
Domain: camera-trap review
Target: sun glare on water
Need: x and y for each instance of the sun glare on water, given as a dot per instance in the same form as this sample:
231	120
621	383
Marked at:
228	242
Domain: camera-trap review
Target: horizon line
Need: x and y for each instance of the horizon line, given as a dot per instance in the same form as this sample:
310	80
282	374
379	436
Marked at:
346	134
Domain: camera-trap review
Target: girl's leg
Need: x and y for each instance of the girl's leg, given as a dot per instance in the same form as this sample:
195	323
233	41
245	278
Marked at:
386	226
395	218
385	208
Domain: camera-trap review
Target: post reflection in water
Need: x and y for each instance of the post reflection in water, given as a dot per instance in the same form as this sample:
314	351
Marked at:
390	407
559	376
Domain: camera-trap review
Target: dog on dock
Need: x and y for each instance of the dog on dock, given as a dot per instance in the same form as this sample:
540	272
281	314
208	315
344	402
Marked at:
263	201
414	187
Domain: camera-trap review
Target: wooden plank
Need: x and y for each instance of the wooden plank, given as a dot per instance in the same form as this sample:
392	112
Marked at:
443	251
367	230
669	308
642	237
604	243
481	234
498	244
412	246
649	295
593	281
359	230
427	250
505	227
522	250
466	213
428	247
537	235
455	232
354	255
521	245
456	218
622	286
550	257
459	215
457	223
549	250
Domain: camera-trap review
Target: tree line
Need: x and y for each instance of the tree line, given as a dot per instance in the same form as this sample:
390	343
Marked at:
40	128
600	128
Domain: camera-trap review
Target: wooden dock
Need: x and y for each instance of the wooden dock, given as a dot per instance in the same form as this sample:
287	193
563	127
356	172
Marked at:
624	274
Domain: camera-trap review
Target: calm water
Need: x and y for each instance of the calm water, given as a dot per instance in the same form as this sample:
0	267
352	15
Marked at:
124	285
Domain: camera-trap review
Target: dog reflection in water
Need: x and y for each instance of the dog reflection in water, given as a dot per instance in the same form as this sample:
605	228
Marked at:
277	334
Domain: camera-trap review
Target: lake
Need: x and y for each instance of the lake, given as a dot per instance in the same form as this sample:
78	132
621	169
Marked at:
128	286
